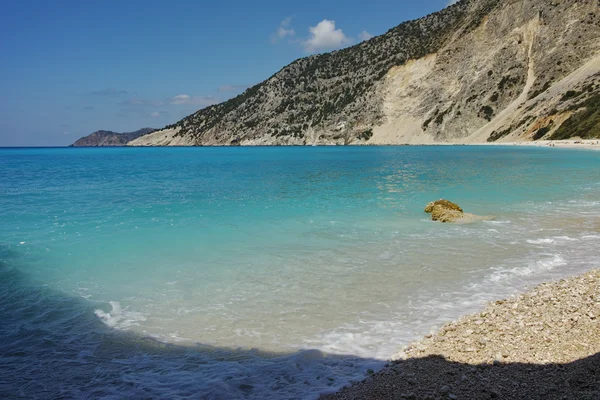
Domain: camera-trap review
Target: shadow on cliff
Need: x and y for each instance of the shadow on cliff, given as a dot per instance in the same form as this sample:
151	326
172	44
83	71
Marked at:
53	346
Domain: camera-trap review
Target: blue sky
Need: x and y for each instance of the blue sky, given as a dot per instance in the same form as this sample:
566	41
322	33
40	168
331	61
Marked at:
68	68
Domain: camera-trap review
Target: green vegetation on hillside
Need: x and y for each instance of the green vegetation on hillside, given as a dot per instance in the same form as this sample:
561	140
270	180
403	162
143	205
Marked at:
317	91
585	123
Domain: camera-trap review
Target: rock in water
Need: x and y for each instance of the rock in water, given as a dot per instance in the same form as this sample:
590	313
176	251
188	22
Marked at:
448	205
447	211
442	214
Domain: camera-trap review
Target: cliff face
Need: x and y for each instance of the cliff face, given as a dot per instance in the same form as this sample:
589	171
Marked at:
480	70
109	138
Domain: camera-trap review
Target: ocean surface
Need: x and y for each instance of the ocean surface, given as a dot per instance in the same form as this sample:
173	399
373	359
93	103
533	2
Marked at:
264	273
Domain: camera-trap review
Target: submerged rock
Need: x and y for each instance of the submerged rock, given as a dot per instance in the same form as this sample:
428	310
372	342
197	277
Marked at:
447	211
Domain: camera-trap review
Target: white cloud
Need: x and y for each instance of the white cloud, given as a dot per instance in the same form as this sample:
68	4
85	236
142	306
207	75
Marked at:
452	2
193	100
284	30
324	36
364	35
156	114
180	99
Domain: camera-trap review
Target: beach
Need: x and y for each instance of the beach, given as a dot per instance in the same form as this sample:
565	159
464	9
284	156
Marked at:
544	344
593	144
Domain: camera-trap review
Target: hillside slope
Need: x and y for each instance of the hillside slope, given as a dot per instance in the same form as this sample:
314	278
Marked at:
109	138
480	70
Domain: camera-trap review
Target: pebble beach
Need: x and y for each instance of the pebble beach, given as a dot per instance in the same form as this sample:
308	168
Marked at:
544	344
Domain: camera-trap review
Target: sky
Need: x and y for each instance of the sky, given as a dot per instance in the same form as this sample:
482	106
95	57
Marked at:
71	67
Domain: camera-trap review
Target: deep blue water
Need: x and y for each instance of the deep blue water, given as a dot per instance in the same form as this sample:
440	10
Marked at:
264	272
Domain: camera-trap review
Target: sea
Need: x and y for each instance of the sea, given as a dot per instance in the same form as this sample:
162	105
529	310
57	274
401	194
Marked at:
267	272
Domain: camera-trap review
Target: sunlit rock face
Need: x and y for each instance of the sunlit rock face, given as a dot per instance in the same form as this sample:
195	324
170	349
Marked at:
478	71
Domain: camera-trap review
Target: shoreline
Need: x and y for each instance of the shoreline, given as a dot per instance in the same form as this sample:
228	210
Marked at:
590	144
593	144
545	341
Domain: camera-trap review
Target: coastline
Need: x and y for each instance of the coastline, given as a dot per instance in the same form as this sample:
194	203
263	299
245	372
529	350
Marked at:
592	144
542	344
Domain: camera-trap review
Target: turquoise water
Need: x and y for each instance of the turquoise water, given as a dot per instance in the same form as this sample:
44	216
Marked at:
265	272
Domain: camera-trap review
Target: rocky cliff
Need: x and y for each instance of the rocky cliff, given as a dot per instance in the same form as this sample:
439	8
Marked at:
480	70
109	138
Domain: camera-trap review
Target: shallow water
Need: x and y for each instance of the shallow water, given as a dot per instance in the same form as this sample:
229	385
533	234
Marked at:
265	272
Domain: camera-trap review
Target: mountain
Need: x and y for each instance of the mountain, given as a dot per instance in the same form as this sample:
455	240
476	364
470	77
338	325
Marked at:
480	70
109	138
